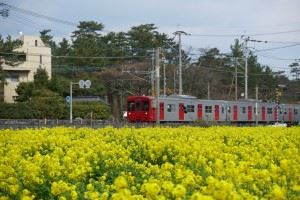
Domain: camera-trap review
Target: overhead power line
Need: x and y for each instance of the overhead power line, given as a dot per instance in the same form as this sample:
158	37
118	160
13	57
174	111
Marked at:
34	14
275	33
216	35
76	57
276	58
281	47
239	35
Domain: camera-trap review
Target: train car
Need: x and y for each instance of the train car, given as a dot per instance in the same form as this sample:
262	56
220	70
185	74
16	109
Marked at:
184	108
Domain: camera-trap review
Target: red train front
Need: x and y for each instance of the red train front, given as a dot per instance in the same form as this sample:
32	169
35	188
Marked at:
140	109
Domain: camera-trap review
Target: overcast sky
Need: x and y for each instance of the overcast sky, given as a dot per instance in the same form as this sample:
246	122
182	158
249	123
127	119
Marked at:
211	17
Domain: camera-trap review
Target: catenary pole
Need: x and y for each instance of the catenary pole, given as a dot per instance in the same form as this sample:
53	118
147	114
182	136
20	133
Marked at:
246	67
256	105
157	83
236	89
179	33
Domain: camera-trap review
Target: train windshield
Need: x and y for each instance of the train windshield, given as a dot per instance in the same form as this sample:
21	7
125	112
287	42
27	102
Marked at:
138	105
145	106
130	106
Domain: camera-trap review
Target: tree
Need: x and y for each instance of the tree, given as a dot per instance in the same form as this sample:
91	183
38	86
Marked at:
145	37
8	57
47	39
295	70
87	43
27	90
63	49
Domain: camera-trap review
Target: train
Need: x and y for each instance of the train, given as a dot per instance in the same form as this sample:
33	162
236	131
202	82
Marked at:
185	108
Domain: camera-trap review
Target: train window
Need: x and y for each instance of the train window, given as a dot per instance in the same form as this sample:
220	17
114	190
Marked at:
208	109
138	105
229	109
243	109
190	108
269	110
171	108
295	111
130	106
145	106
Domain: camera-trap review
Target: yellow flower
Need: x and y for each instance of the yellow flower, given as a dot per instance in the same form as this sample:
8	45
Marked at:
151	190
120	183
277	193
179	191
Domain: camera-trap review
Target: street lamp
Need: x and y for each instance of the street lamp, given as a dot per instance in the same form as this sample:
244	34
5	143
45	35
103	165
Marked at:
82	84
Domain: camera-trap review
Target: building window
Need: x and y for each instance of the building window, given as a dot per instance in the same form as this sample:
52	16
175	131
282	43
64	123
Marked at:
12	78
35	43
269	110
243	109
254	110
41	59
171	107
190	108
208	109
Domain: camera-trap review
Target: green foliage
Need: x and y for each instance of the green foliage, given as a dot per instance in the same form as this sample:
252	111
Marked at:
295	70
24	91
85	109
7	46
48	104
41	78
47	39
6	49
17	111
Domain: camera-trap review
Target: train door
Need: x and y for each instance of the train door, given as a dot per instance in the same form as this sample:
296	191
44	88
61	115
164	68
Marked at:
161	111
290	114
217	112
181	111
249	113
200	112
275	114
235	113
263	113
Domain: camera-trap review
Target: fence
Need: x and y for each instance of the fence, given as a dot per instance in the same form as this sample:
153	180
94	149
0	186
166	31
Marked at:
39	123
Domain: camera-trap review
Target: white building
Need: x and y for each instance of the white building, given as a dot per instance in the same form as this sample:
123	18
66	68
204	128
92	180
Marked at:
37	56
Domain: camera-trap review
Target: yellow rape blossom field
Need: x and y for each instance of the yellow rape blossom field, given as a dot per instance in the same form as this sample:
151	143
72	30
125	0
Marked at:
150	163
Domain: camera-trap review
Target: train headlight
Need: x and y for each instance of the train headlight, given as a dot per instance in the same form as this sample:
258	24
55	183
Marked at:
146	113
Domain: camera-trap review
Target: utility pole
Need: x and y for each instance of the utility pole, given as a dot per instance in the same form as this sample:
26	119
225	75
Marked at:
174	81
246	39
208	89
157	83
152	74
165	77
256	105
179	33
71	102
82	84
236	89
